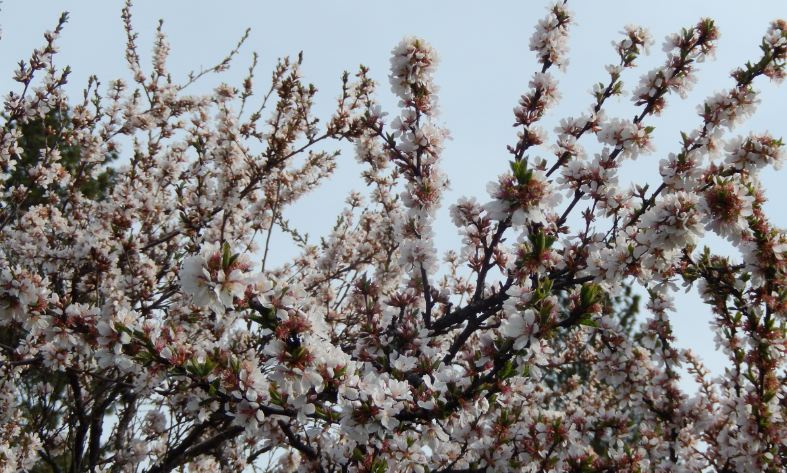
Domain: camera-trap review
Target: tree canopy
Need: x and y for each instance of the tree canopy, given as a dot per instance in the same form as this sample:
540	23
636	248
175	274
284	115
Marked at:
142	327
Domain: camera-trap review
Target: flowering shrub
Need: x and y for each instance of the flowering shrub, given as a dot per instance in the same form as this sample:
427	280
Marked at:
142	329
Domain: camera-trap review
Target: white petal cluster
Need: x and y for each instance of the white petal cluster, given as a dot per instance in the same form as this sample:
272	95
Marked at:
550	39
211	285
413	64
524	203
754	152
673	223
630	138
727	206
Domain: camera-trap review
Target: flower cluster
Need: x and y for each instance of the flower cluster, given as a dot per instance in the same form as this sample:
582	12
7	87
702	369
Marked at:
525	200
214	278
550	40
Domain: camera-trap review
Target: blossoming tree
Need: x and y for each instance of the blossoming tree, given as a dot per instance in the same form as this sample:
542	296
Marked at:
142	329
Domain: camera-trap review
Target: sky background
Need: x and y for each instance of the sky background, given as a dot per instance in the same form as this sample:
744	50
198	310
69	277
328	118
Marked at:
486	66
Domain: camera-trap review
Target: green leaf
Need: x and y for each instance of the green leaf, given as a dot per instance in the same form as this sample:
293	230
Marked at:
225	260
232	260
522	174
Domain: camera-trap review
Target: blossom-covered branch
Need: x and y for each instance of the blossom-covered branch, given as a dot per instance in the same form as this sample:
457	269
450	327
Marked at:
142	327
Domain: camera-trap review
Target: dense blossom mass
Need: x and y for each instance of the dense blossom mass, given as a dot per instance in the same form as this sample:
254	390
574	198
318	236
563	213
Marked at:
143	329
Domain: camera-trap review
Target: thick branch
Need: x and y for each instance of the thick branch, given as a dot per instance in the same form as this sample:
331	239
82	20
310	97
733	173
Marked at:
465	313
175	456
174	461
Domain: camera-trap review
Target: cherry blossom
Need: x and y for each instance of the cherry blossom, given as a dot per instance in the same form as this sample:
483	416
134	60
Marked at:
143	326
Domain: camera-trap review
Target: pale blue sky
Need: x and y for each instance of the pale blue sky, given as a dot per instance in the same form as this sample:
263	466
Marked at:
485	67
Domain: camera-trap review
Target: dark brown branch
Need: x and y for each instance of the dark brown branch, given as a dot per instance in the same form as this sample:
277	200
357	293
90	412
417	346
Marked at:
129	412
465	313
646	205
488	252
83	425
251	458
427	297
571	282
175	460
175	456
296	442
